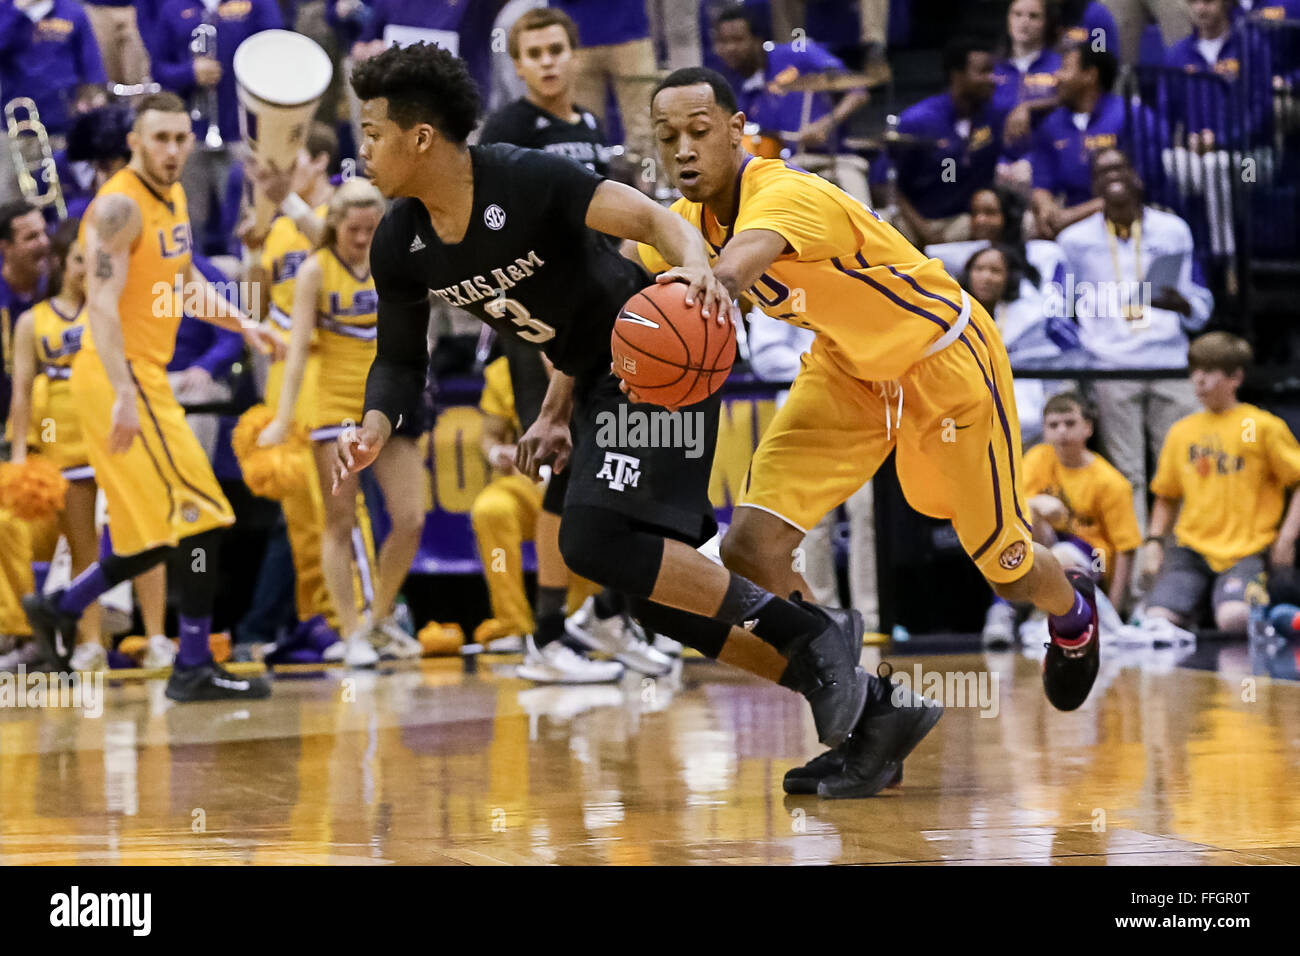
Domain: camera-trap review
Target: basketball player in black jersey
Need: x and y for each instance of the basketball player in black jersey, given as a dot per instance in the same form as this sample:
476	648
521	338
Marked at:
542	43
507	234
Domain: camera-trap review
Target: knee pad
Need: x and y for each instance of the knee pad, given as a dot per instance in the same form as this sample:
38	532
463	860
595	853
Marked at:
603	546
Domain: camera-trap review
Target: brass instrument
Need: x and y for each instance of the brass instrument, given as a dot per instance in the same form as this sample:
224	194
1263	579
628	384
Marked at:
38	176
203	42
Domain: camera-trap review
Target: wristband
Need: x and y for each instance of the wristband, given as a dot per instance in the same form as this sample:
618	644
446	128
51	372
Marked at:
294	206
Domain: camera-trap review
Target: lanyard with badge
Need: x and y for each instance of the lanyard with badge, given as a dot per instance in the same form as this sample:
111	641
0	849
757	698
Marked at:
1130	311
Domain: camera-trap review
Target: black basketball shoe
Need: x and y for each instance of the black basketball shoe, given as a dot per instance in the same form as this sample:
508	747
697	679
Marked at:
826	672
804	780
894	721
211	681
55	631
1071	664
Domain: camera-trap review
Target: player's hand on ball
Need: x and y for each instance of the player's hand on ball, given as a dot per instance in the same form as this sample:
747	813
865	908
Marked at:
126	424
356	448
702	286
547	442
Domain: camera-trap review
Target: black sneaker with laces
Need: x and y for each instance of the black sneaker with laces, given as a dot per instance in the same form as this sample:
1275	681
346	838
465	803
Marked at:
827	674
211	681
804	780
893	722
1071	665
55	632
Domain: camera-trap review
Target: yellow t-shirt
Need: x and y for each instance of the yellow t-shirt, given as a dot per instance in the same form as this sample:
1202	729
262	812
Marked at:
1097	498
876	302
152	301
498	398
1231	471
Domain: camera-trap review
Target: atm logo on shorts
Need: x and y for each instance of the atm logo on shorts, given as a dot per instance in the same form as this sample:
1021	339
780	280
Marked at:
620	471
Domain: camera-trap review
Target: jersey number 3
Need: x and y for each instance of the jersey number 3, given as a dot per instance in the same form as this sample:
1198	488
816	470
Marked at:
530	329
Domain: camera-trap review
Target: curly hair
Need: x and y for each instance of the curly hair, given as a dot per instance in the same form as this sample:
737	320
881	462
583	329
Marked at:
423	83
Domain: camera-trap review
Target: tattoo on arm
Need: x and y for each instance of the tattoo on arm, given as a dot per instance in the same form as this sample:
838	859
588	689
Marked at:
103	266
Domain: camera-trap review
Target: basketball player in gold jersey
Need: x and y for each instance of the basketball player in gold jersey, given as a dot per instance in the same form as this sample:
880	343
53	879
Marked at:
163	500
892	328
46	340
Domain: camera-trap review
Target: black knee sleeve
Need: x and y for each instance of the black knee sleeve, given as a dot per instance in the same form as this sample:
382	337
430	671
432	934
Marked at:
606	547
195	571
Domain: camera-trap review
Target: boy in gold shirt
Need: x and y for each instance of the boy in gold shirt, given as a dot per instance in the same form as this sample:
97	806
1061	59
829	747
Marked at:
1223	475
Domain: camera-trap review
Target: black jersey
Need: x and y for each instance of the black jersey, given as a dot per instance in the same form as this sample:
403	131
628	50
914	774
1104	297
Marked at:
527	265
522	123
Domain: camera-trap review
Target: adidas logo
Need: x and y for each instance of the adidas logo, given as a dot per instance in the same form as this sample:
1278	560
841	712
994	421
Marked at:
416	244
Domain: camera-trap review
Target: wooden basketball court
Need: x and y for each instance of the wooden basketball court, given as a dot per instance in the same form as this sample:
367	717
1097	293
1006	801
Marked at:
428	763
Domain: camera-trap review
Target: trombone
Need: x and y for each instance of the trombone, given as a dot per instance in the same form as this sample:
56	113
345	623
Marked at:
38	176
203	42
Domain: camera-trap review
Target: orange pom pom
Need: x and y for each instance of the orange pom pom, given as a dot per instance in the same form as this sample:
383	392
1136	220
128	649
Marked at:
33	490
441	640
274	471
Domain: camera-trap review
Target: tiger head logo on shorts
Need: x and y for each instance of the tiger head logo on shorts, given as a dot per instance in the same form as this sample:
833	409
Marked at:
1012	556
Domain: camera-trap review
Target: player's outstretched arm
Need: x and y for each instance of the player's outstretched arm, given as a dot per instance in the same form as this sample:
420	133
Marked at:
217	310
622	211
114	225
746	257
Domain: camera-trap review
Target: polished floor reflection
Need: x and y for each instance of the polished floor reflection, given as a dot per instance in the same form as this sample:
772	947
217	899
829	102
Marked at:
429	764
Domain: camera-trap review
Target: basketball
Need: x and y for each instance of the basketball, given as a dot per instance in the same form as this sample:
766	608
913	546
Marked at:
666	351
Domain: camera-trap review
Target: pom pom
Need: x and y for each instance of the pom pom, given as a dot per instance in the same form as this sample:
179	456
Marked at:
441	640
269	472
33	490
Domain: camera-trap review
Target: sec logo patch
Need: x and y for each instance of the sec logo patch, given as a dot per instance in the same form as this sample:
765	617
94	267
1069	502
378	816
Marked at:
494	217
1012	556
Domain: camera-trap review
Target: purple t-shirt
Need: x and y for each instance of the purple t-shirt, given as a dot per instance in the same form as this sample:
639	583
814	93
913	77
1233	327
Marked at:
46	60
1213	100
940	180
1062	153
606	22
783	112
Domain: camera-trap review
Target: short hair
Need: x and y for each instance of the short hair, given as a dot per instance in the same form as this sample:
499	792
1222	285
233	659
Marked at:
423	83
1068	401
164	102
540	19
957	53
321	138
100	134
1103	61
742	14
693	75
1220	351
14	209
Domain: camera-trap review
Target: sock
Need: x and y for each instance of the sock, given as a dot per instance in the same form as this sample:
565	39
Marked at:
550	615
608	603
707	635
84	590
1073	622
195	650
773	620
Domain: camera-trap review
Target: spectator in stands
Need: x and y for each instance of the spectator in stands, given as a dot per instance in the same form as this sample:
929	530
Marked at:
1006	286
997	216
24	254
97	142
1080	506
936	182
1088	22
460	26
1132	16
507	85
616	52
119	36
1223	474
1282	44
48	54
755	72
1135	299
1026	74
1090	118
207	79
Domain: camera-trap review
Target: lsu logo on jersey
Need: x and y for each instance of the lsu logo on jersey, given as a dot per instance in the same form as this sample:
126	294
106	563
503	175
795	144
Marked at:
69	343
364	302
287	268
177	244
